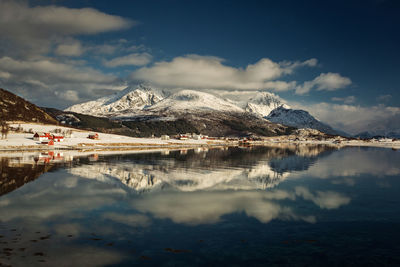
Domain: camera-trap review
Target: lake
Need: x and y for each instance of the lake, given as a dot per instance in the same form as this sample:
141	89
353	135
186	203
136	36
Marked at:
254	206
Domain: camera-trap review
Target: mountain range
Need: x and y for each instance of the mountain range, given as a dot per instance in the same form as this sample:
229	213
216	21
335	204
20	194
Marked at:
144	111
143	103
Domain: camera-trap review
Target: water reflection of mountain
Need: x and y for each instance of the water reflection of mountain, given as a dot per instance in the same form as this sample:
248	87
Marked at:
215	169
14	176
17	171
186	170
299	159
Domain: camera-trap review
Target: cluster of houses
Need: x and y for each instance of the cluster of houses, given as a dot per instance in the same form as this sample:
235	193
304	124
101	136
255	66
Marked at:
48	138
194	136
186	136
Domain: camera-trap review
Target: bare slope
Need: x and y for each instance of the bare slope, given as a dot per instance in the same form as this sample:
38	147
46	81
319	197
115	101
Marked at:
15	108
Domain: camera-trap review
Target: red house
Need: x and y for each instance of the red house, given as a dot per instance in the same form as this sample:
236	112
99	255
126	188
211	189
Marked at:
94	136
58	138
41	137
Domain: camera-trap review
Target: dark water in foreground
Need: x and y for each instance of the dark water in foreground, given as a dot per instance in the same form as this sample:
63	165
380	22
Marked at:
287	206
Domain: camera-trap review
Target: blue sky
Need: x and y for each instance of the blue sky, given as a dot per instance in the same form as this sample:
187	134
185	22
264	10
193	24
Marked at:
336	59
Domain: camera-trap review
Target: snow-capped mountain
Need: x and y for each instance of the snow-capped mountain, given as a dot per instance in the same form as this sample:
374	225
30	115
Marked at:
299	119
131	99
263	103
193	100
205	110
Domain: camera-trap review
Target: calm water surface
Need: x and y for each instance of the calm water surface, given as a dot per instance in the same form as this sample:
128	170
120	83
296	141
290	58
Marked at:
286	206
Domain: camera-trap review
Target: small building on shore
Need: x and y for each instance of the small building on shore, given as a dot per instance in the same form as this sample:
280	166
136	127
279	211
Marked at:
58	138
164	137
94	136
42	137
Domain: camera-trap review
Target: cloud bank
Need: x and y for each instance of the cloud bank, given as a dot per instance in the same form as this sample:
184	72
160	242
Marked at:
207	72
34	28
355	118
324	82
36	46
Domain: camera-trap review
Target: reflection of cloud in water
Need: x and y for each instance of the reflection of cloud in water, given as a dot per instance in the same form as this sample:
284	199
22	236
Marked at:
350	162
323	199
69	255
69	197
46	198
127	219
345	180
208	207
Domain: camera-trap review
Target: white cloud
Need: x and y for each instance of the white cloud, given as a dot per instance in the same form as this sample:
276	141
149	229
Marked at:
70	49
354	118
135	59
35	28
49	82
290	66
324	82
4	75
206	72
49	71
44	20
69	95
347	100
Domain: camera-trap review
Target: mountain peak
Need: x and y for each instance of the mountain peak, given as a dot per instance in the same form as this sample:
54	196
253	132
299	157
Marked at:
131	99
299	119
263	103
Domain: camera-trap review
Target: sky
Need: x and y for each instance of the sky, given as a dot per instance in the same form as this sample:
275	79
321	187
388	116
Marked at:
339	60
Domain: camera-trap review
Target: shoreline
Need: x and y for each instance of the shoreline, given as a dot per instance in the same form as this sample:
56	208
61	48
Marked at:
78	141
177	146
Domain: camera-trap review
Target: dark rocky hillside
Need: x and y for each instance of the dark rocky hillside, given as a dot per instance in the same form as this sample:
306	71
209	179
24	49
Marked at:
134	128
208	123
15	108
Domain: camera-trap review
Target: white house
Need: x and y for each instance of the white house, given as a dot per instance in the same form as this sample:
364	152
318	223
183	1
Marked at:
164	137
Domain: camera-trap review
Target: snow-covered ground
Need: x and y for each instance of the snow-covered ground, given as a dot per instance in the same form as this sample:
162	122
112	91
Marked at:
80	138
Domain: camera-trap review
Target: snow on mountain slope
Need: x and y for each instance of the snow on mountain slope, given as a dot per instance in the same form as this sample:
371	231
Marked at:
273	108
128	100
263	103
298	119
195	101
144	100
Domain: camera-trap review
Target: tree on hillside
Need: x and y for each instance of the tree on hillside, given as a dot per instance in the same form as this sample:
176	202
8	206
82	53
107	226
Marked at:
4	129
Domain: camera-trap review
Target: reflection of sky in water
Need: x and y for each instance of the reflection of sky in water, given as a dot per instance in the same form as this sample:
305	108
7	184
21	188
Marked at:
233	206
